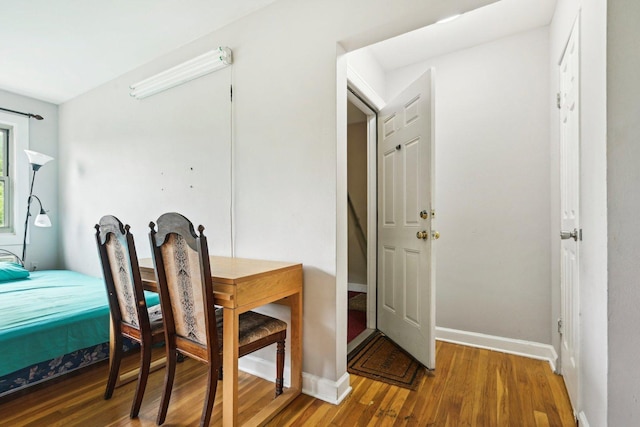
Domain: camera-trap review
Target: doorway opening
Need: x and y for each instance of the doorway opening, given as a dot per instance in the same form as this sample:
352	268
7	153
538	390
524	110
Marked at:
398	182
361	222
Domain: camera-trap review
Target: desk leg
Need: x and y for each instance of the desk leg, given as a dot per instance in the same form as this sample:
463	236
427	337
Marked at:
230	368
296	341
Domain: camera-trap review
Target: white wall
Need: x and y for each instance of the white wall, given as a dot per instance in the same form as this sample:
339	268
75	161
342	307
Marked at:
288	173
492	186
623	159
43	137
593	196
137	159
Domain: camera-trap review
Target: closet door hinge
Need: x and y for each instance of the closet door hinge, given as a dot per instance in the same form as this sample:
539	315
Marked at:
559	100
560	331
231	92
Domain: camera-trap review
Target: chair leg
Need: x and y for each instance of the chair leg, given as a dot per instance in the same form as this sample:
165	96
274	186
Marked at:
210	397
168	383
114	365
143	375
279	367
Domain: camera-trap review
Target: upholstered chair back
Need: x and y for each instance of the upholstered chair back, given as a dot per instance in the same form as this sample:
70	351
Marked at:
185	286
121	271
122	279
184	278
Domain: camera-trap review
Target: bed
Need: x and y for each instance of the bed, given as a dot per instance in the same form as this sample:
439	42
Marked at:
51	323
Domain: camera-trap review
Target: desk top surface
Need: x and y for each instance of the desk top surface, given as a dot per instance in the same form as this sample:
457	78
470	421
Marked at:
235	269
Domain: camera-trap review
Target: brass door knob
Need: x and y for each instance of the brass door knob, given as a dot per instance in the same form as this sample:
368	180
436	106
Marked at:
424	214
422	235
435	235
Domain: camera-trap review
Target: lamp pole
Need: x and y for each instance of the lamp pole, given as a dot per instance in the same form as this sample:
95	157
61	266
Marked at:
26	220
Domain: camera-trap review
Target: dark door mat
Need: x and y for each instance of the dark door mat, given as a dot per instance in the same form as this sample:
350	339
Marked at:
381	359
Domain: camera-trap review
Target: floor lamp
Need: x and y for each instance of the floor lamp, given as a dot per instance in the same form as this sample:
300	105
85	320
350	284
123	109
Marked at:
36	160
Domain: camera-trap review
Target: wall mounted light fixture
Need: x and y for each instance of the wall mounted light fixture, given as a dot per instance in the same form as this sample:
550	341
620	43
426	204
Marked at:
182	73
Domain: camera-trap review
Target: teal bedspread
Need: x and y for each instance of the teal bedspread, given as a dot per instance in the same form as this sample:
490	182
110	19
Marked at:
51	313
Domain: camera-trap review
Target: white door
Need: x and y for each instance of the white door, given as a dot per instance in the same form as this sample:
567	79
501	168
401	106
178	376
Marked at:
406	297
569	103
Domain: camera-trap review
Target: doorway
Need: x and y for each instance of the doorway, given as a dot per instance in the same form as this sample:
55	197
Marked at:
361	222
389	218
493	178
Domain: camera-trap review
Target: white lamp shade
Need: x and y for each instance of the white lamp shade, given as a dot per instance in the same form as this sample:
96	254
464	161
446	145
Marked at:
37	159
42	220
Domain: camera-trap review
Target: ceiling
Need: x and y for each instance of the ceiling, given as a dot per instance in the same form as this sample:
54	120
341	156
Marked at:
57	50
488	23
483	25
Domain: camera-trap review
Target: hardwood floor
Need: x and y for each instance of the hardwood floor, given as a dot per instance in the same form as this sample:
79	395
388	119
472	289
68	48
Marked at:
471	387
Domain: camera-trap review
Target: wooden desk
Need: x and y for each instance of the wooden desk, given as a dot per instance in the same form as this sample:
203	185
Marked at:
240	285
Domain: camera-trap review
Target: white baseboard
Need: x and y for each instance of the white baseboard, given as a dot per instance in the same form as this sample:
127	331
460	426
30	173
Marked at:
530	349
321	388
314	386
262	368
357	287
582	420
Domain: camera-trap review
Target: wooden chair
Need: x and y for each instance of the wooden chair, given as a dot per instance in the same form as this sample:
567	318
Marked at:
130	315
192	326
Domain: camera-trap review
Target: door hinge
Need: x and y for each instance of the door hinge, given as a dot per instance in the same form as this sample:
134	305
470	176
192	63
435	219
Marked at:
559	100
560	330
231	92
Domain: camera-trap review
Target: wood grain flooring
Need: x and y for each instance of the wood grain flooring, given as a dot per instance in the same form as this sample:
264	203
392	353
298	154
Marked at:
471	387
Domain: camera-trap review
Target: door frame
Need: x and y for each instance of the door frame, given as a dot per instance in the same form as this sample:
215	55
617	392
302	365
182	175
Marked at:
360	94
372	116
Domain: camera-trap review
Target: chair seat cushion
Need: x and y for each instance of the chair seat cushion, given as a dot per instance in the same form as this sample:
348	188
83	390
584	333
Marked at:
155	317
253	326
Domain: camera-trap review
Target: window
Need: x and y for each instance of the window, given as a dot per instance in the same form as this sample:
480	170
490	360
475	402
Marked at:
5	182
14	177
